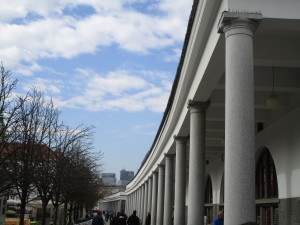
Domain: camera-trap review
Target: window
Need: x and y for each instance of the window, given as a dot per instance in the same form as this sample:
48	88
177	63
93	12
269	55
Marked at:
266	178
266	190
208	201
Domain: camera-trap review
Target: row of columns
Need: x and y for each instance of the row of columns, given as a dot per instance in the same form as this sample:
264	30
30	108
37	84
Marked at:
156	194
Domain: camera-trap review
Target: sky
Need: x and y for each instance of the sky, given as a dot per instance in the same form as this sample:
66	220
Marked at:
105	63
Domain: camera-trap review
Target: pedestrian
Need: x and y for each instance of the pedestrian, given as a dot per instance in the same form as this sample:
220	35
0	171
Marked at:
121	220
98	219
112	218
133	219
106	216
220	219
148	219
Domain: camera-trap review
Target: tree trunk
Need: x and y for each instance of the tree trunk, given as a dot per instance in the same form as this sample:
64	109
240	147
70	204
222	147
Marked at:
22	212
65	213
44	212
70	214
55	214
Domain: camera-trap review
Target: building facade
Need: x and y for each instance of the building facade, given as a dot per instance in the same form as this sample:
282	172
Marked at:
230	135
109	179
125	177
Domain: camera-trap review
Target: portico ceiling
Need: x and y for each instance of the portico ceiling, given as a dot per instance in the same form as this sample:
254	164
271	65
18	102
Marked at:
277	46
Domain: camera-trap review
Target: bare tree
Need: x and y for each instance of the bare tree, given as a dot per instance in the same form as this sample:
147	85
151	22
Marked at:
66	140
45	168
30	133
8	107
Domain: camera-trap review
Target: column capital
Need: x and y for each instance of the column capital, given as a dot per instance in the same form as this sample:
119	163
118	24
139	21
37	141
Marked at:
202	106
182	139
239	23
167	155
154	172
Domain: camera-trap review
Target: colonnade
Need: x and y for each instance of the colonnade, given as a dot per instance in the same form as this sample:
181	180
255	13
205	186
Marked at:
159	194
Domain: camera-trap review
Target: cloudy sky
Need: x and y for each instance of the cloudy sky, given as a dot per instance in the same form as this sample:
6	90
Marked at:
107	63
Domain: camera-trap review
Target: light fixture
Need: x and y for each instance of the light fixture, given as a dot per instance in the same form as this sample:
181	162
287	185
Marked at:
273	102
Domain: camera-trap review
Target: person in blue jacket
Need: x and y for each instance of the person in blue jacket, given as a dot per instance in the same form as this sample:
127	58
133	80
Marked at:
220	219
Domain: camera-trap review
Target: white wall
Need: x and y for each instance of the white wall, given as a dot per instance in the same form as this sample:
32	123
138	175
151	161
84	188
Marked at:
215	170
283	141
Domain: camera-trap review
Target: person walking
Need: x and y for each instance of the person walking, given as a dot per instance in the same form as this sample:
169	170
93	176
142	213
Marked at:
121	220
133	219
98	219
148	219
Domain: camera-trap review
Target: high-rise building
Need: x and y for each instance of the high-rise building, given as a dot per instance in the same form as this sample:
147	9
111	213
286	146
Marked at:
109	178
125	177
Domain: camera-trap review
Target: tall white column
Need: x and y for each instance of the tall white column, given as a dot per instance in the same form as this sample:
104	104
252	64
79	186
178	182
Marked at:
136	199
168	200
140	211
196	194
239	117
154	198
126	204
180	180
142	202
160	195
145	201
149	195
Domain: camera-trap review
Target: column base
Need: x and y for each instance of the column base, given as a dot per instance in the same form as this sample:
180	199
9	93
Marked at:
288	211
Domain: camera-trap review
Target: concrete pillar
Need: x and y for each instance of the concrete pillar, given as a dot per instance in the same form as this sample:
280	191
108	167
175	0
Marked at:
142	202
154	198
168	200
196	194
160	195
180	180
145	201
149	195
139	211
239	117
136	200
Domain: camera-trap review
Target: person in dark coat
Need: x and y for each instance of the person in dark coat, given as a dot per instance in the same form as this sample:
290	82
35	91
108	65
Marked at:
133	219
121	220
148	219
98	219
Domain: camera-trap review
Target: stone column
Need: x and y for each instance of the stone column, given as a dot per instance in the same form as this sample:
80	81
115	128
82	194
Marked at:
126	204
136	199
154	198
196	194
180	180
239	117
142	202
149	195
145	201
139	211
132	202
160	195
168	200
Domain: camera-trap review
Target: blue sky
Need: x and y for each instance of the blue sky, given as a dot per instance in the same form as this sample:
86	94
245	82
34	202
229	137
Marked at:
106	63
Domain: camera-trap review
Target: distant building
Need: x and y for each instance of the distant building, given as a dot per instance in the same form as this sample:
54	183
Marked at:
125	177
109	179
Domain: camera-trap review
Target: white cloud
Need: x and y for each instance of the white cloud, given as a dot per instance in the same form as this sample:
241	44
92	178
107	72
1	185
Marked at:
118	90
49	87
173	57
51	34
